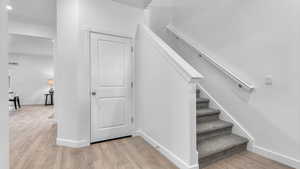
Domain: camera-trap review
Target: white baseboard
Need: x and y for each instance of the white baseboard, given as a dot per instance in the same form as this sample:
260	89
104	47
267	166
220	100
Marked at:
167	153
72	143
289	161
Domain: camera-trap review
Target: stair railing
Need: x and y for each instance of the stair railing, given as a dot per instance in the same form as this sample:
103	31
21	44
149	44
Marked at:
239	81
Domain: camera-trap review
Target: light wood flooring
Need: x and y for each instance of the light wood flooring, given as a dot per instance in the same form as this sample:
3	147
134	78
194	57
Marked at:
32	146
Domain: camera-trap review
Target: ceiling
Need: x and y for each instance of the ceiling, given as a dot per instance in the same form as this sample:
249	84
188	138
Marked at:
34	11
44	11
135	3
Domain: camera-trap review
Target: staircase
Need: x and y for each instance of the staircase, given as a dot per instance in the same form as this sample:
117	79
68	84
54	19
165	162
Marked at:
215	140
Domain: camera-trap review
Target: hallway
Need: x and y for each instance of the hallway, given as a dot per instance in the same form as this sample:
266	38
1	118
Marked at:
32	146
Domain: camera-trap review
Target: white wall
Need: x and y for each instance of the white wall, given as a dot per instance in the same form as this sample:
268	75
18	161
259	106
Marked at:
17	27
24	44
255	39
106	15
30	29
4	145
35	58
66	64
165	101
158	15
30	77
73	64
101	16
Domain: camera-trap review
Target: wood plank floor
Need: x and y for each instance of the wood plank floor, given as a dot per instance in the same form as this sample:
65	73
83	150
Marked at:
32	146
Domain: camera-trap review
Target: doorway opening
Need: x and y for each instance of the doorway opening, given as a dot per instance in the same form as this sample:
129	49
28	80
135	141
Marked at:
31	78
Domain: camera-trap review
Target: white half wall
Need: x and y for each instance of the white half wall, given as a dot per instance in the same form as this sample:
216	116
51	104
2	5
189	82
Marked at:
4	137
165	100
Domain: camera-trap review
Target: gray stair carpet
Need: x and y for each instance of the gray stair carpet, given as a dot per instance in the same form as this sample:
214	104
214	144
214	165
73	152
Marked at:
207	112
215	140
202	103
206	130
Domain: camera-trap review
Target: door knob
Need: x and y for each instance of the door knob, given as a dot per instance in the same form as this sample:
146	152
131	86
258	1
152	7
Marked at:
94	93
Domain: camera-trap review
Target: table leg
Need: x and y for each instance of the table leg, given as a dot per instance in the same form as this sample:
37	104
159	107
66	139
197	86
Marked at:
18	100
51	99
46	100
15	103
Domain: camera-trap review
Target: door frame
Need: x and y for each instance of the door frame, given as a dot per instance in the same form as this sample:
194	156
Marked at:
88	33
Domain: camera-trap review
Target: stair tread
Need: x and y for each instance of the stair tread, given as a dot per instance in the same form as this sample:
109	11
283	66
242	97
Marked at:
218	144
202	100
207	112
210	126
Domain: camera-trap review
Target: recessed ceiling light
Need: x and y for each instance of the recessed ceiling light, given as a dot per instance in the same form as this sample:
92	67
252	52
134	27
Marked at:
9	7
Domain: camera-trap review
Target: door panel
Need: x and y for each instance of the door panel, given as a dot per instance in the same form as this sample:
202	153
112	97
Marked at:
111	78
111	63
111	113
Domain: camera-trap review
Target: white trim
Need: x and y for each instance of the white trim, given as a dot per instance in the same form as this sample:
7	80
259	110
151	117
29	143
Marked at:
185	69
85	33
276	156
72	143
28	54
193	125
133	92
238	128
32	36
206	55
167	153
107	32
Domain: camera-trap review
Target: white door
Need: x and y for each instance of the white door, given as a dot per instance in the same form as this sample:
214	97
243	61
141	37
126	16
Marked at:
111	98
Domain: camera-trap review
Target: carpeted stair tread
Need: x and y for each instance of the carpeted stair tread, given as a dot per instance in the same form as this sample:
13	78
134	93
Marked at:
211	126
207	112
202	100
219	144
